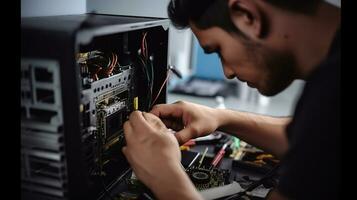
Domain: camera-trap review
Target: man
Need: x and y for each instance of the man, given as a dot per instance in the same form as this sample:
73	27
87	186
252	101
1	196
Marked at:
268	44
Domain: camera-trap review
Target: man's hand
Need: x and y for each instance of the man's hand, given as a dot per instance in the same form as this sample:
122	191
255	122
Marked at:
153	153
188	119
149	146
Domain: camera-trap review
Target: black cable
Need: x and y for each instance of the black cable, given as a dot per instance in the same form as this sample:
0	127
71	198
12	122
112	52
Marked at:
255	184
175	71
150	68
145	71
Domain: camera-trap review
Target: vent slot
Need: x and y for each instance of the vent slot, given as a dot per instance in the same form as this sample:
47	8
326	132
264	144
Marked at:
42	115
45	96
43	169
43	75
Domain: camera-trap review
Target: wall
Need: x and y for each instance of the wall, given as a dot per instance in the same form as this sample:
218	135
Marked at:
334	2
207	66
151	8
63	7
34	8
180	47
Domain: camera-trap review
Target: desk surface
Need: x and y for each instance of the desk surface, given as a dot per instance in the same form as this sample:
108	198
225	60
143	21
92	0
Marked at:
238	174
226	163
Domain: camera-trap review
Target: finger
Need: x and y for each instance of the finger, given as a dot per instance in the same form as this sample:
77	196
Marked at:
173	124
151	117
167	111
153	120
168	123
128	132
138	122
156	109
135	116
126	154
186	134
124	150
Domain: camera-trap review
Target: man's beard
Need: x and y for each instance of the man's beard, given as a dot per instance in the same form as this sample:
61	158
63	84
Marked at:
278	68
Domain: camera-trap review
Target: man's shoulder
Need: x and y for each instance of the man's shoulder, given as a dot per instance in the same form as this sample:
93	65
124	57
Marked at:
314	130
321	94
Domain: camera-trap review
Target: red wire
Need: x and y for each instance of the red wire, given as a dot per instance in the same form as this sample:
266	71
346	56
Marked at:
112	65
144	46
115	63
162	86
95	76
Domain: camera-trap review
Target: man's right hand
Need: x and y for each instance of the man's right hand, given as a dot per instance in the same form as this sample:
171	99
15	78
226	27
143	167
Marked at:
187	119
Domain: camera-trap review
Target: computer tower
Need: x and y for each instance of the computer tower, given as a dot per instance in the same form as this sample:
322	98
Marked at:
81	76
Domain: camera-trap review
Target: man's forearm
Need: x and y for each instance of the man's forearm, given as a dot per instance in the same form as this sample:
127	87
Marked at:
267	133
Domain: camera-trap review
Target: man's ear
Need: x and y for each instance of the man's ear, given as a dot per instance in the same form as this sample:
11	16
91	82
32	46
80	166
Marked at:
248	18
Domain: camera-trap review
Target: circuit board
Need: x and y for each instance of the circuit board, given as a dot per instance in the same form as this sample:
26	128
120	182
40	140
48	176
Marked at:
205	178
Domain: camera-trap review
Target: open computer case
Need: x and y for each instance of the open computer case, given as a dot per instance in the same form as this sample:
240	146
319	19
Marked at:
81	76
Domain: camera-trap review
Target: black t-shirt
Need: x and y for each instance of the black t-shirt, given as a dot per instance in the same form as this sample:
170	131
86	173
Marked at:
311	167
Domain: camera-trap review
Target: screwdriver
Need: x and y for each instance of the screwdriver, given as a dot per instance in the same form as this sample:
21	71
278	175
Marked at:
175	71
203	156
219	155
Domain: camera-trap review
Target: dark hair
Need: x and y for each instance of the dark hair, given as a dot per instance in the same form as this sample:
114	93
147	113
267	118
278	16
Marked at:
209	13
300	6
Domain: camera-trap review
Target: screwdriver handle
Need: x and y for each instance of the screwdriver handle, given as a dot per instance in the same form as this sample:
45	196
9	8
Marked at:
218	157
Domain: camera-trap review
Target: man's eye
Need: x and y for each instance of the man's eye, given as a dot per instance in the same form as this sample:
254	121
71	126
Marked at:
217	51
208	52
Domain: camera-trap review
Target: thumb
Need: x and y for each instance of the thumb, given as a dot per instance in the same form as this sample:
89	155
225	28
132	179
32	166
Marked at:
186	134
124	150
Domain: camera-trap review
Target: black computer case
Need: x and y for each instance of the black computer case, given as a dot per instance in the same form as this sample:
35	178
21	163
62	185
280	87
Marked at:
70	141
